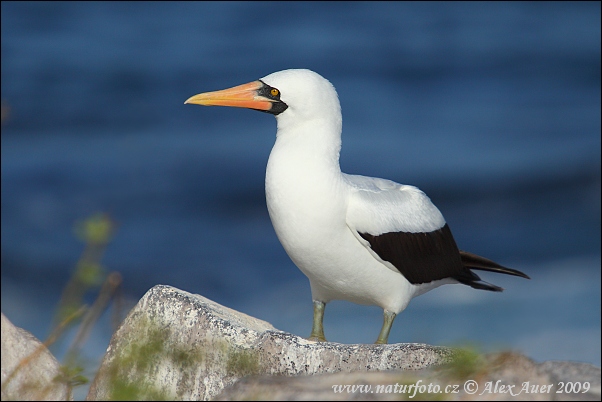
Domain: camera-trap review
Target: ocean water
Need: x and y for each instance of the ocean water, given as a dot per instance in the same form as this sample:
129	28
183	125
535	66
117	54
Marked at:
492	109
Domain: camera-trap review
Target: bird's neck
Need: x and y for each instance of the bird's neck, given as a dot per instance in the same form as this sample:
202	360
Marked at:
303	176
308	150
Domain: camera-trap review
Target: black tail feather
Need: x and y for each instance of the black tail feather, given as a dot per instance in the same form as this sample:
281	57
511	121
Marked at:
473	261
480	284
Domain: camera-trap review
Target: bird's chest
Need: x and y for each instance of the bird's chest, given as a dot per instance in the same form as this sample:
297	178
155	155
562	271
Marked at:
305	202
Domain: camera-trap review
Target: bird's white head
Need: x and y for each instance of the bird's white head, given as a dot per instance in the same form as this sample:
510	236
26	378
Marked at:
294	96
307	94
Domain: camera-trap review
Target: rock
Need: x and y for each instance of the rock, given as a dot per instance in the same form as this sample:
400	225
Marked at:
35	378
177	345
495	377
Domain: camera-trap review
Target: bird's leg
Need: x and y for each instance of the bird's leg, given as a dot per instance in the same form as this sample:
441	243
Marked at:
383	337
317	330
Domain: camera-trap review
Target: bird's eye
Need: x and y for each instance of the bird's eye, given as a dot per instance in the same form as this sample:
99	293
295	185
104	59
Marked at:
274	92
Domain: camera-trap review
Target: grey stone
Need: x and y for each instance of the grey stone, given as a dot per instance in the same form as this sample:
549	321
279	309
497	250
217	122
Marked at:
28	368
577	374
340	386
174	344
496	377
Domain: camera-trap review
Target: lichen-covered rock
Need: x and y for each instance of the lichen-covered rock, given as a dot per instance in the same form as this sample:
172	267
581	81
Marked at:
496	377
177	345
29	370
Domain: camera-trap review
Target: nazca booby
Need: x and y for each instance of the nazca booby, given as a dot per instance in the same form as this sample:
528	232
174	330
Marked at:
362	239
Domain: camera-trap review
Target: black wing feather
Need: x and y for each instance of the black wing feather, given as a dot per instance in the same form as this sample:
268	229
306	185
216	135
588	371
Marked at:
429	256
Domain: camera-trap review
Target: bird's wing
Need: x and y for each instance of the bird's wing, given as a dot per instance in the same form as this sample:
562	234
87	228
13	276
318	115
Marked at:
378	206
402	228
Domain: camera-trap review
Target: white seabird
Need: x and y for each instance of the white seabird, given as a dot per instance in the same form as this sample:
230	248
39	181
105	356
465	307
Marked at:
362	239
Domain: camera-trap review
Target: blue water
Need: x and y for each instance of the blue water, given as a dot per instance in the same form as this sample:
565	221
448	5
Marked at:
492	109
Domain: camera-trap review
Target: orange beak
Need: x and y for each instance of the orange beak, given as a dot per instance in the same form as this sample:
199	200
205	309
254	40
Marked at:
246	95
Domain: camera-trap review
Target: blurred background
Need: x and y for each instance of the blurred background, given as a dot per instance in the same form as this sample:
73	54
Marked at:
492	109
